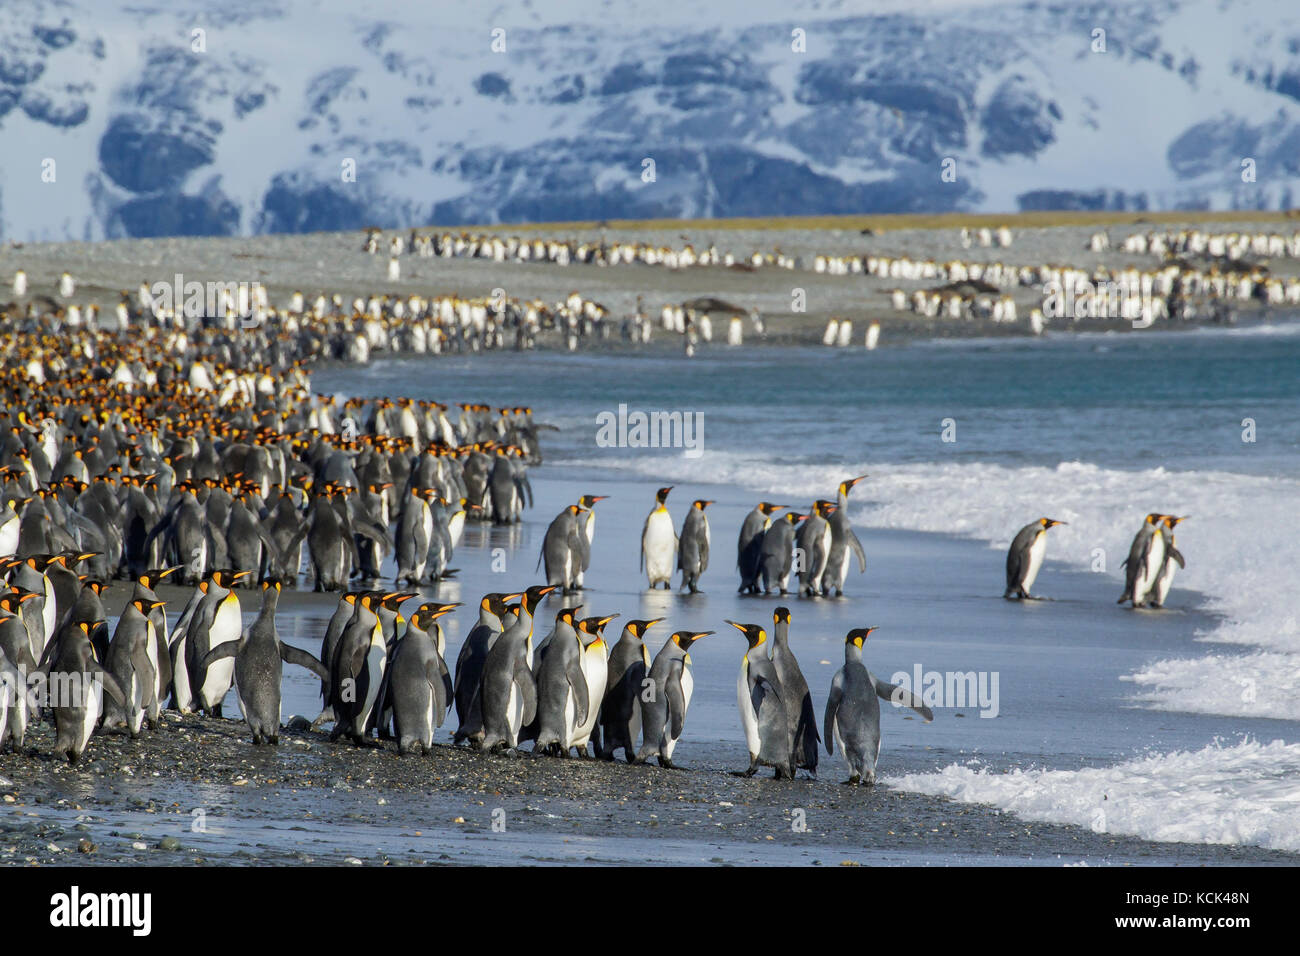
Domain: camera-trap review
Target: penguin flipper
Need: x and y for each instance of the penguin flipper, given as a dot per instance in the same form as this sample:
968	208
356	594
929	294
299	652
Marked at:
901	695
109	682
221	651
676	701
582	698
296	655
1177	556
832	708
858	550
527	694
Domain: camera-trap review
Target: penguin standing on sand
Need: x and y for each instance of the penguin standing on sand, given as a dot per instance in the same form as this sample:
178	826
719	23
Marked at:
659	543
1146	556
749	547
562	698
799	712
419	685
1173	561
852	721
668	697
357	670
1026	557
132	660
620	712
693	549
843	540
259	656
778	552
509	690
71	666
217	621
144	591
595	672
762	709
469	665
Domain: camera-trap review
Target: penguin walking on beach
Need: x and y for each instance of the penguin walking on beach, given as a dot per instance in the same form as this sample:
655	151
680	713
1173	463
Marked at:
749	547
259	656
667	698
419	684
659	543
843	541
1173	561
813	544
565	549
620	711
70	666
1146	556
1025	558
693	547
762	709
799	711
777	555
852	721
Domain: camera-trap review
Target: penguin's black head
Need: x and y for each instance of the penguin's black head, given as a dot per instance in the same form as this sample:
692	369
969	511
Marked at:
272	584
595	625
701	503
1050	523
533	596
587	501
429	612
638	628
781	615
662	494
684	639
858	636
847	486
567	614
753	633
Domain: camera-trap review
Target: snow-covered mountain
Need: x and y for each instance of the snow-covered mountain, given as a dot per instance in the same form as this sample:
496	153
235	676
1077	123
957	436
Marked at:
147	117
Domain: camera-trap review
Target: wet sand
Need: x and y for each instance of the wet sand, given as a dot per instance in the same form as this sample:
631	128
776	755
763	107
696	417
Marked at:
1061	705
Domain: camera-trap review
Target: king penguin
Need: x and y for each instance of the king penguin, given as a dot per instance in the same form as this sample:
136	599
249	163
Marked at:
1145	558
259	656
508	690
595	672
562	698
762	709
357	670
620	712
419	684
693	550
1026	556
749	547
564	549
659	543
71	666
132	660
667	698
843	540
1173	561
469	665
852	721
778	552
799	711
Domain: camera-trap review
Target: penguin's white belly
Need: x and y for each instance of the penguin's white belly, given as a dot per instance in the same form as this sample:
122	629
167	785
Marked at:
659	546
825	554
1036	552
1149	571
1165	581
9	536
748	719
181	680
514	713
226	626
596	672
688	687
135	703
376	657
93	698
570	720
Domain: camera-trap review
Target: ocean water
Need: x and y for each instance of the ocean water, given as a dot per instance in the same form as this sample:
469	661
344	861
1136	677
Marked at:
974	439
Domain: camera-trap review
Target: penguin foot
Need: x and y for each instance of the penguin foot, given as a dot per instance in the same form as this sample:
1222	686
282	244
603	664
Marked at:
274	739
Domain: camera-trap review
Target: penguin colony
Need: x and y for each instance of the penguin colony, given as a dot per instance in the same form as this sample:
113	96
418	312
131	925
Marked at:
1234	270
